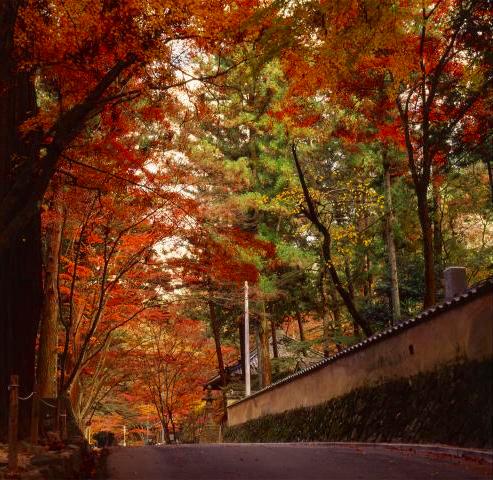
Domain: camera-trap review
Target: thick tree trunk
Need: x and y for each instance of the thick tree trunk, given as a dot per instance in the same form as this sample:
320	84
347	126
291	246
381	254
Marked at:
23	182
165	427
48	337
264	348
20	261
20	304
390	241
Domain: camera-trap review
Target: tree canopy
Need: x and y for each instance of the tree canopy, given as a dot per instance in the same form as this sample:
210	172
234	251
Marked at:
155	155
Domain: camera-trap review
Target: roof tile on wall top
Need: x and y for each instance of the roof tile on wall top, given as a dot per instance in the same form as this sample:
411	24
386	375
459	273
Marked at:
426	315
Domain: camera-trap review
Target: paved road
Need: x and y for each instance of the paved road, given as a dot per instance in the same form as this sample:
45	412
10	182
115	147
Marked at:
284	461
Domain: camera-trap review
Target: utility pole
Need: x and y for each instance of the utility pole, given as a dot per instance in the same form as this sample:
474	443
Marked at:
247	344
124	436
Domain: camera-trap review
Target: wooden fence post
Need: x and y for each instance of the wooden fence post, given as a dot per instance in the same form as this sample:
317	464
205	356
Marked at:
58	415
13	422
35	416
63	421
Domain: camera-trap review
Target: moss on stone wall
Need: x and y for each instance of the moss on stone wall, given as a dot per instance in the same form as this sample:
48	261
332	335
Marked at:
453	405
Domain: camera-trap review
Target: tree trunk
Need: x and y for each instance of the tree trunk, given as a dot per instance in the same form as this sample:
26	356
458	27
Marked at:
489	156
173	427
264	348
349	278
437	230
68	358
428	254
335	309
390	241
363	225
369	278
275	349
48	337
20	260
326	327
300	324
350	284
259	353
20	305
312	214
167	438
216	330
75	397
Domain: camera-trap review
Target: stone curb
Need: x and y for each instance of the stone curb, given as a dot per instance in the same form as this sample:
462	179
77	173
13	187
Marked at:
485	456
457	452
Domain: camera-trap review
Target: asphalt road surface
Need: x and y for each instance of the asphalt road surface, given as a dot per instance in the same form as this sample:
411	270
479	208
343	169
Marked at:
286	462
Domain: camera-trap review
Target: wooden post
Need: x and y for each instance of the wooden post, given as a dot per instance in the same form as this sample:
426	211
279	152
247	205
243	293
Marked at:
13	422
61	416
58	423
35	416
63	419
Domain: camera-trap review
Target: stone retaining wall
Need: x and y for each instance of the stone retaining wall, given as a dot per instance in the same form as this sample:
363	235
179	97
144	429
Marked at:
454	332
452	405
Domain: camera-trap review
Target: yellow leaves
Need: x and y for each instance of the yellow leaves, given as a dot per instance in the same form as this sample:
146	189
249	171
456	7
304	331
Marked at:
346	237
290	198
347	233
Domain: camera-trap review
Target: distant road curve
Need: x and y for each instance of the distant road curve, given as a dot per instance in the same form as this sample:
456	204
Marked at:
276	461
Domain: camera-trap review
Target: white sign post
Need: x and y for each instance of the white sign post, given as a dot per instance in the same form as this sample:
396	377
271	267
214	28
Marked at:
247	344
